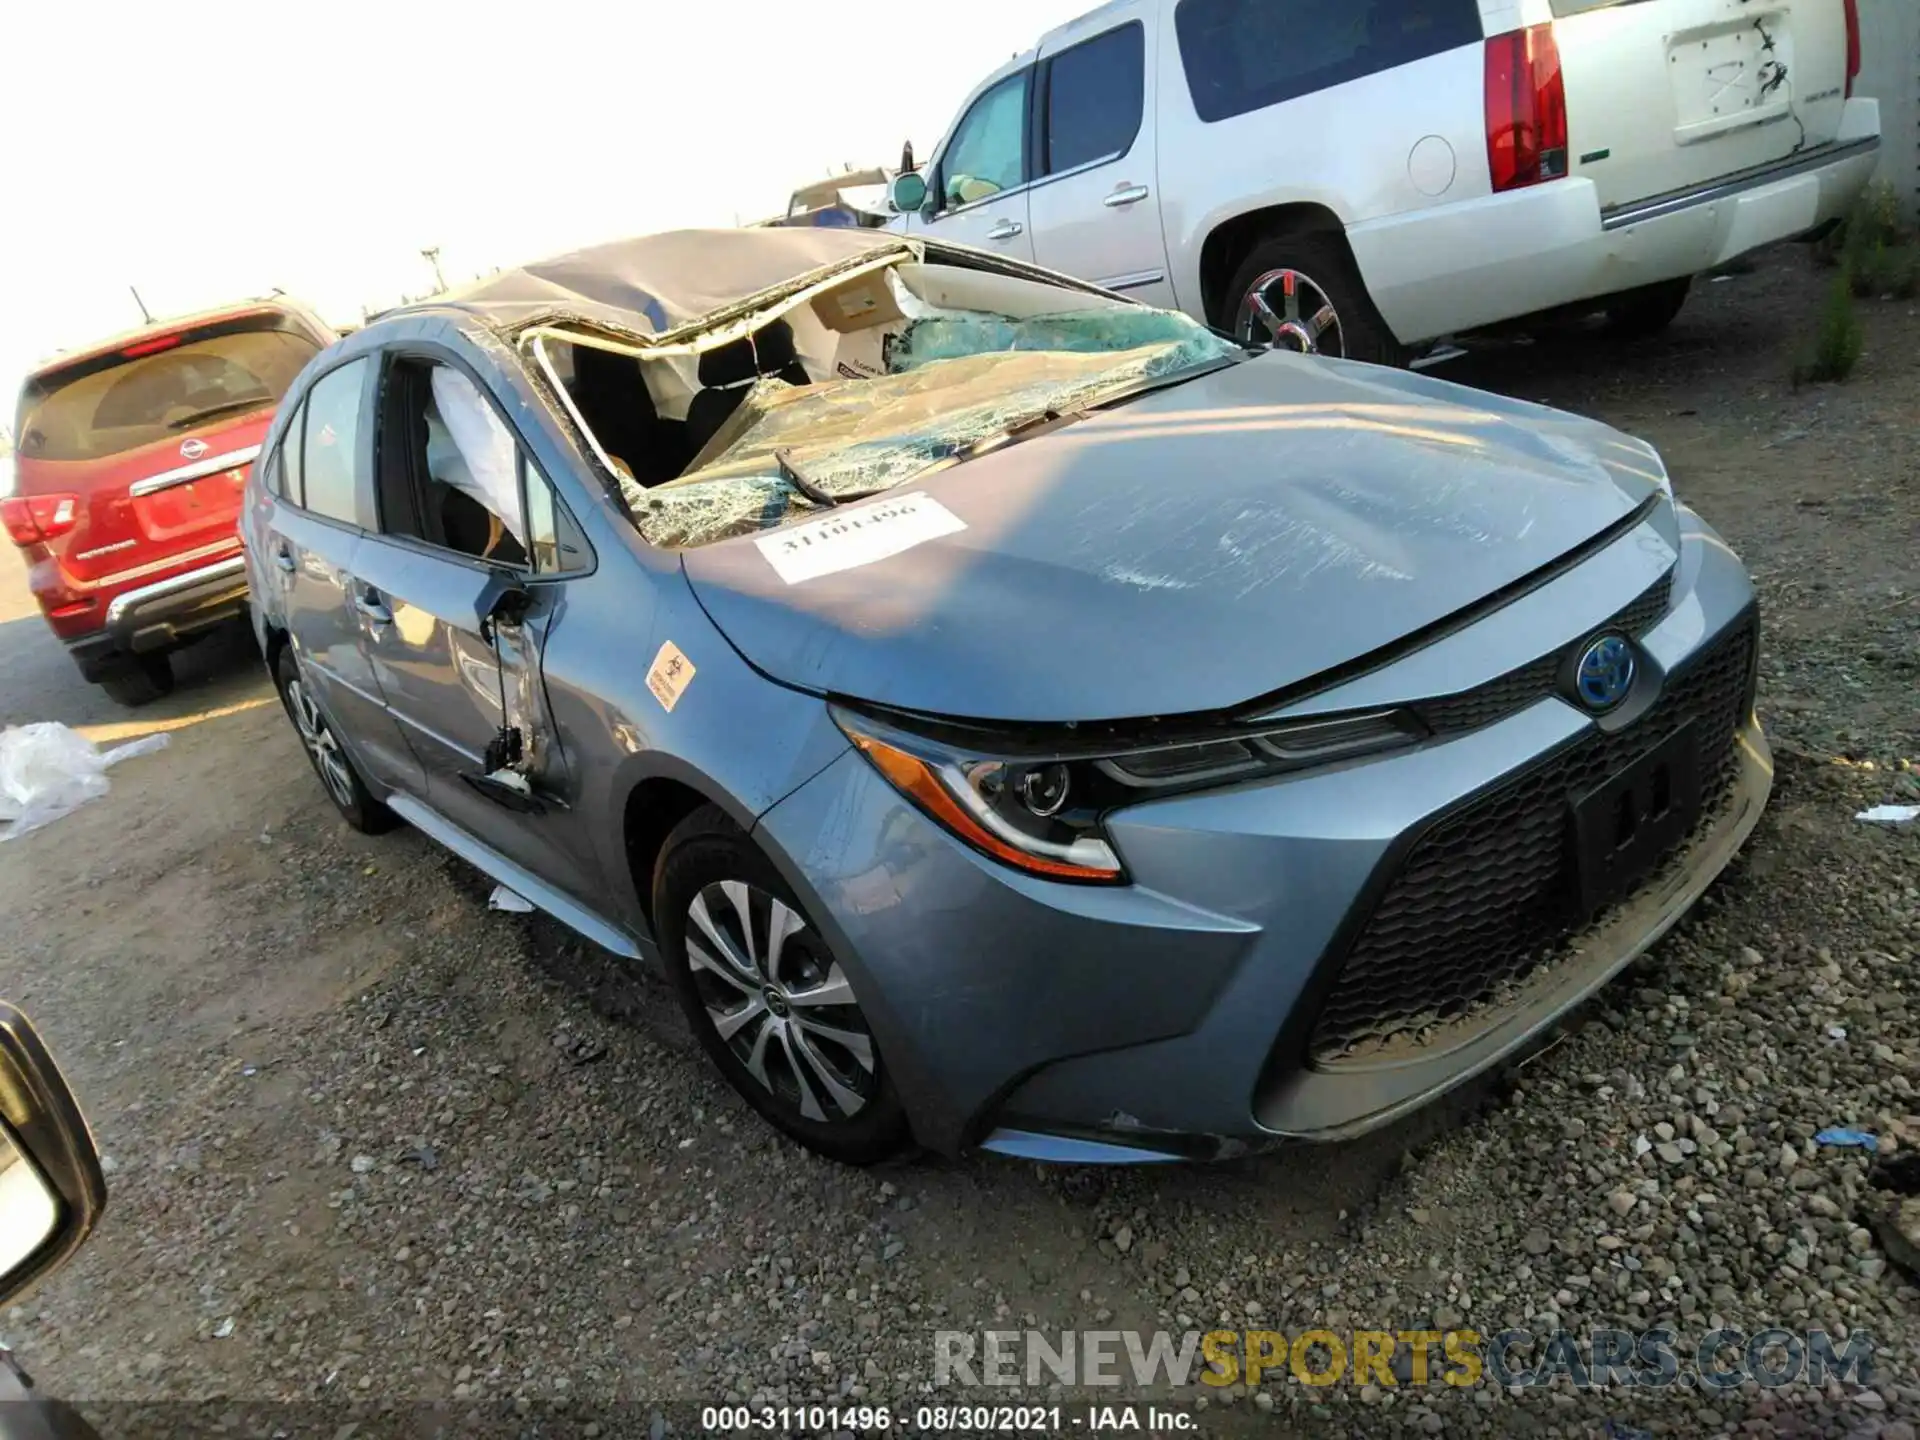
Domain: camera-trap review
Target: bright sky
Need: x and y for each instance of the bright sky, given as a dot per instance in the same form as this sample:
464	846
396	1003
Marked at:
207	150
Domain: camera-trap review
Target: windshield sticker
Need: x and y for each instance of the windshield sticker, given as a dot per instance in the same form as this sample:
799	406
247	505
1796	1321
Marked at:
670	675
858	535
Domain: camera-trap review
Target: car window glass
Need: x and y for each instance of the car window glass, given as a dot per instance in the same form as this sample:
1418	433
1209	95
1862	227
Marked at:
332	442
553	539
448	471
270	472
988	153
1240	55
160	387
1095	93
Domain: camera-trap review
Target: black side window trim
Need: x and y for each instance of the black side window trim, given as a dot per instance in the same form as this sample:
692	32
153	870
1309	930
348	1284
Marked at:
1040	112
293	484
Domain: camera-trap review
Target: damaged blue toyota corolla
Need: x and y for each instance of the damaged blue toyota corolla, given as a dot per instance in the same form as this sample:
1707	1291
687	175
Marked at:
1012	716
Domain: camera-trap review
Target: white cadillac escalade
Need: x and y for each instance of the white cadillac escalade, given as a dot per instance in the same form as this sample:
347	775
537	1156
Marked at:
1364	178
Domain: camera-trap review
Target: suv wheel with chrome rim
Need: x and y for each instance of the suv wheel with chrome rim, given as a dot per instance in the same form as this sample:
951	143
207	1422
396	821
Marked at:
1300	292
763	990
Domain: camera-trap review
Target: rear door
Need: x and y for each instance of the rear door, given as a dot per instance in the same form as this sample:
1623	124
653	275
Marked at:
978	184
1667	95
153	442
1093	209
319	490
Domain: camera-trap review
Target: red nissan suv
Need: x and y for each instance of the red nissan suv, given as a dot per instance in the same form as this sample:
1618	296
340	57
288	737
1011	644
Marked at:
129	460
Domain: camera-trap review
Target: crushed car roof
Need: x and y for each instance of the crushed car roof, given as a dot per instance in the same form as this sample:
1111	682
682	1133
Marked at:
653	284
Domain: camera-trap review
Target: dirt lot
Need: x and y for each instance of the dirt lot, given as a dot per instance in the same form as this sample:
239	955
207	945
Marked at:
369	1140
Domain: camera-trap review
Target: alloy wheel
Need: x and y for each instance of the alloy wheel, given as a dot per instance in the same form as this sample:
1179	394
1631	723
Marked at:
778	999
320	743
1288	310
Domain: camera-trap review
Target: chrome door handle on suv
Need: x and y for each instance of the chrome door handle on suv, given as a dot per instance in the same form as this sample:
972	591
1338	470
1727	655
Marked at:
1005	230
1125	195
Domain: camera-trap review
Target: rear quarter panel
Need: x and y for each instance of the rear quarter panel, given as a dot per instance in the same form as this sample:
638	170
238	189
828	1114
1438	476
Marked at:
257	507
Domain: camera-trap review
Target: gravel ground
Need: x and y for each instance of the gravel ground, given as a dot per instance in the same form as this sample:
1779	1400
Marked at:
369	1141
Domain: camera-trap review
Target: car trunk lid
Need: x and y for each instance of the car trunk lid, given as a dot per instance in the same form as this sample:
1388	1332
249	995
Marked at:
1667	95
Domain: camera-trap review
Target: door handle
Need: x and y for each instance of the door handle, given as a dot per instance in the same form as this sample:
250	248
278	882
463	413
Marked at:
283	557
1005	230
368	602
1125	195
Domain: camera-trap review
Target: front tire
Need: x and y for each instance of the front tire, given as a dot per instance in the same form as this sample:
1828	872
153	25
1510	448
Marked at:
339	776
1637	314
760	986
1301	292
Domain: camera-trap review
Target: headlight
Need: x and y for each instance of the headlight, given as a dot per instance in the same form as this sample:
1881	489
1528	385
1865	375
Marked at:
1040	809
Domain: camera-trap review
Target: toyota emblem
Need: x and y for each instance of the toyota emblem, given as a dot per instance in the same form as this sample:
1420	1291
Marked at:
192	449
1605	673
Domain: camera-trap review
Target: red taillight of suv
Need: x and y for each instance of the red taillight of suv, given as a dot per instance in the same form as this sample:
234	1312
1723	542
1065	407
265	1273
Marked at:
35	519
1853	44
1526	109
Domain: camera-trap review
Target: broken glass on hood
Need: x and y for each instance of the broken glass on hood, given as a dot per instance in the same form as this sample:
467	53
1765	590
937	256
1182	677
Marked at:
955	380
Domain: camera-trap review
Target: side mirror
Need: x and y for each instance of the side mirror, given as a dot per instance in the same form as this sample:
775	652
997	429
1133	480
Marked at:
502	601
908	192
52	1192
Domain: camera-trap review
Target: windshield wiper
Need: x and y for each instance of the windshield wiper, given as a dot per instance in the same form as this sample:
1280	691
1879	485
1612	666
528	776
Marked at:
791	474
251	402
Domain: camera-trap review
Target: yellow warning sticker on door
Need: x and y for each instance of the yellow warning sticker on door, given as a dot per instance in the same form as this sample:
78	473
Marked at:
672	672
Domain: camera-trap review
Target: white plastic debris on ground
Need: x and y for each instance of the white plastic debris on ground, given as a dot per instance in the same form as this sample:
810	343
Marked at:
1890	814
505	899
47	770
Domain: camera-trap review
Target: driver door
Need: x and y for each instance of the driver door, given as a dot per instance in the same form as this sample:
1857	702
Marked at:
977	192
464	515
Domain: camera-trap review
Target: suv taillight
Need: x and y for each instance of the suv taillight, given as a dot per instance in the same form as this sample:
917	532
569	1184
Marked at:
1526	109
33	519
1853	44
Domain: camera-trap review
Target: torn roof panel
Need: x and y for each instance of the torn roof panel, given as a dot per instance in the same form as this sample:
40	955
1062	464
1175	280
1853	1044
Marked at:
653	284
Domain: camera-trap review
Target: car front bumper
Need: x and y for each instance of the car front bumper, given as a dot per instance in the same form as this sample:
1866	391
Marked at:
1463	266
1180	1015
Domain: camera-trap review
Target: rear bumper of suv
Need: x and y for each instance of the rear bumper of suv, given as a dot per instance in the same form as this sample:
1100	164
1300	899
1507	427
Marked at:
1460	267
161	614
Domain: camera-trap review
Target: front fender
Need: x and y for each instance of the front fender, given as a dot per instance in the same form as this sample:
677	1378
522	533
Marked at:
732	735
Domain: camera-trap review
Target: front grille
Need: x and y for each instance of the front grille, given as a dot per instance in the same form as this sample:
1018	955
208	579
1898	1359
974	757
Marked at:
1643	614
1534	681
1487	894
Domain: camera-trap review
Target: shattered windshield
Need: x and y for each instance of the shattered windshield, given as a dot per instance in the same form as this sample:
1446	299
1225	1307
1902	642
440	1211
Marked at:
952	381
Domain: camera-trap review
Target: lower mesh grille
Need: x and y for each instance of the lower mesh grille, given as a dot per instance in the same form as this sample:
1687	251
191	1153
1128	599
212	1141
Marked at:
1485	896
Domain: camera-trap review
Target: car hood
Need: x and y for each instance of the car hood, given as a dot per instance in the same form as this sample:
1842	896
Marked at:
1202	546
